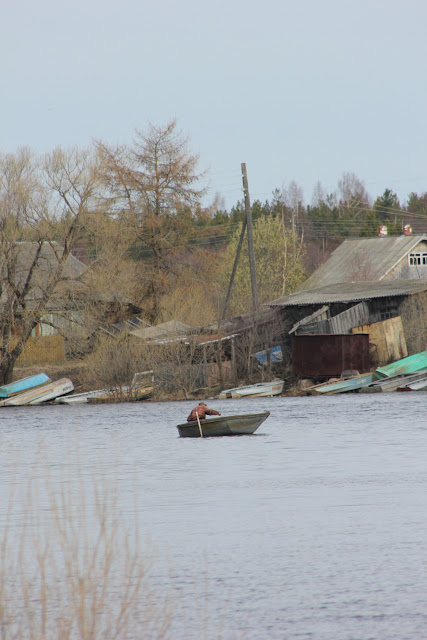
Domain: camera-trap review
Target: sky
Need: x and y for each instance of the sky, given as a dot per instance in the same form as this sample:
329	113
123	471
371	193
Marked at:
298	90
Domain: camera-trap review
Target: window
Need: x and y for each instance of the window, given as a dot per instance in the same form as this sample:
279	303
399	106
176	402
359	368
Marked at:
417	258
388	309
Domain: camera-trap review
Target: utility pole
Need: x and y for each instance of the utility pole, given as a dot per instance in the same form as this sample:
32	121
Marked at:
250	238
247	222
233	273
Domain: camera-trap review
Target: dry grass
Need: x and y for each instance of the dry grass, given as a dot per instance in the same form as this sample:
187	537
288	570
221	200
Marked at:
70	569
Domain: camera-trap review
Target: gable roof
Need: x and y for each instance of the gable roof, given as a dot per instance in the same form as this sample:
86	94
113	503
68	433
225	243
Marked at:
351	292
363	259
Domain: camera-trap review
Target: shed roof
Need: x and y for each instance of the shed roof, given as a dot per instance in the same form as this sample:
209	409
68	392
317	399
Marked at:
363	259
351	292
169	329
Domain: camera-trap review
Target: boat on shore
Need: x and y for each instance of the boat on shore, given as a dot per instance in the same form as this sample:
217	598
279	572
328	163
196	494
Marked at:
237	425
346	385
122	394
39	395
23	384
81	398
393	382
420	384
258	390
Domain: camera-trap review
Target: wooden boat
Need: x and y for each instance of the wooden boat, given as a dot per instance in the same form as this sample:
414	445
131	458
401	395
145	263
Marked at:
392	383
23	384
123	394
341	386
418	385
261	389
38	395
81	398
239	425
139	391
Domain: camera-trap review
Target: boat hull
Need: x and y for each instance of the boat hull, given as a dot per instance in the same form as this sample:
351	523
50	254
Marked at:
41	394
239	425
23	385
259	390
123	395
341	386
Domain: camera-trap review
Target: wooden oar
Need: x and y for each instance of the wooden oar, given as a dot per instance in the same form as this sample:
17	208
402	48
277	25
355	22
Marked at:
200	426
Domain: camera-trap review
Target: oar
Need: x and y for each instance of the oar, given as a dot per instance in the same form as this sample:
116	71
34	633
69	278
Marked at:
200	426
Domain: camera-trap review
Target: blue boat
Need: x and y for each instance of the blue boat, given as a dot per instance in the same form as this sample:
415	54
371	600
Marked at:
341	386
22	385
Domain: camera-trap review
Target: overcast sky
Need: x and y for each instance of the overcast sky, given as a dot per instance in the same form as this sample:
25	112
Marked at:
299	90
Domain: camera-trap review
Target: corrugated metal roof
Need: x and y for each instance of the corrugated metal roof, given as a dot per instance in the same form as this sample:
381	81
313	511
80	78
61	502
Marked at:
364	259
351	292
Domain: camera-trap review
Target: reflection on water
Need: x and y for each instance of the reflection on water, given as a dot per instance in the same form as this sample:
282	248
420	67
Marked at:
313	528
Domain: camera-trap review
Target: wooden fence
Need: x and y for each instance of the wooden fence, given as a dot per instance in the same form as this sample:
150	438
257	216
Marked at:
42	350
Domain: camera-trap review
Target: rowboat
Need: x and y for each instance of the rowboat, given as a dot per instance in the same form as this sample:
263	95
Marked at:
341	386
393	382
261	389
123	394
23	384
240	425
81	398
418	385
38	395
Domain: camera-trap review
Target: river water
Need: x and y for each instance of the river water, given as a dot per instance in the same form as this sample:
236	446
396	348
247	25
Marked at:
314	528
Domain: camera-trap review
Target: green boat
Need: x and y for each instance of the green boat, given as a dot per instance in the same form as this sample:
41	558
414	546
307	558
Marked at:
240	425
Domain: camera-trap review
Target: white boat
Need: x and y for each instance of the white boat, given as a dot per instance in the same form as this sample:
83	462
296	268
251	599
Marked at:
418	385
393	382
38	395
258	390
81	398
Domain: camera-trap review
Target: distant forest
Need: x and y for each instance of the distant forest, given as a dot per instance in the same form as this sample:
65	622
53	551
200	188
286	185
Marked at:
349	211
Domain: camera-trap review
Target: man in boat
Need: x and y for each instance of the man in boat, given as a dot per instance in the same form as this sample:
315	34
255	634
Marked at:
202	411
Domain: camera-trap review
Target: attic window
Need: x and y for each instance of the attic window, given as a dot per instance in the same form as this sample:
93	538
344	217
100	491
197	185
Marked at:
417	258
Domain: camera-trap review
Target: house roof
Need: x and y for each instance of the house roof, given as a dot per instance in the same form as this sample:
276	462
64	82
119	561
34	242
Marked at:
165	330
47	264
351	292
363	259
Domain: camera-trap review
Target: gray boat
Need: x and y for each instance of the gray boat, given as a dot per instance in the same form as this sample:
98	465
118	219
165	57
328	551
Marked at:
239	425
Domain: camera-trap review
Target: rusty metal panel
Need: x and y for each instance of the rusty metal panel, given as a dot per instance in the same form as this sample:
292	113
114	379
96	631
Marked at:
330	355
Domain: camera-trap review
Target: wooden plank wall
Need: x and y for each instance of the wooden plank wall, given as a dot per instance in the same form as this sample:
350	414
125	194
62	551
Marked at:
42	350
341	323
386	339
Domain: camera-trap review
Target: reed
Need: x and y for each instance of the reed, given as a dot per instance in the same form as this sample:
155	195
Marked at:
69	567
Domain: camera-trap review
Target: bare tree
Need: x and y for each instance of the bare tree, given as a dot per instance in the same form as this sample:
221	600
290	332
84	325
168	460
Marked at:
43	209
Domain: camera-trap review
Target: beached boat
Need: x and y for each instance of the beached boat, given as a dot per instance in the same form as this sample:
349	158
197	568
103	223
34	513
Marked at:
38	395
239	425
23	384
82	398
420	384
393	382
123	394
261	389
341	386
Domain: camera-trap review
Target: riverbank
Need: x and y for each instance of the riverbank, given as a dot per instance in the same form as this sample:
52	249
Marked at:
75	370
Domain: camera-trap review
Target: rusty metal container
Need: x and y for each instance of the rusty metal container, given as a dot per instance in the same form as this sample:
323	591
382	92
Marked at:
330	355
